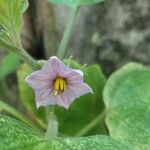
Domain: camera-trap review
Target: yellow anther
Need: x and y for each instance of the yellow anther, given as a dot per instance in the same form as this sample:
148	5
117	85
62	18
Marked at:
65	86
61	81
59	85
56	84
56	92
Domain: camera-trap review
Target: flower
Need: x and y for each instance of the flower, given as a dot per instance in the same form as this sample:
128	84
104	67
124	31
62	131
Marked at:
58	84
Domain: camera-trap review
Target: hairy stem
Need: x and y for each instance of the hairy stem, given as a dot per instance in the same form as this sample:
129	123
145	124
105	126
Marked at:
92	124
21	53
29	60
67	33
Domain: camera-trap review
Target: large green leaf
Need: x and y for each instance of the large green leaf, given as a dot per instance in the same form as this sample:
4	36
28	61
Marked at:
9	64
86	108
17	136
11	20
127	100
73	3
27	94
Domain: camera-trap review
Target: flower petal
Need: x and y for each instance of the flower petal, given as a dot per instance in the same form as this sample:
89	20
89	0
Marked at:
74	92
79	89
56	67
38	79
46	97
67	98
74	77
78	71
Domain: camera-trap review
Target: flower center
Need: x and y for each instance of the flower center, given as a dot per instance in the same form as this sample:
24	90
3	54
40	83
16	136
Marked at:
59	85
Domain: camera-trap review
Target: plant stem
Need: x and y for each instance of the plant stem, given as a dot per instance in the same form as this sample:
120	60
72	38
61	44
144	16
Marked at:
15	113
29	60
21	53
52	128
67	33
92	124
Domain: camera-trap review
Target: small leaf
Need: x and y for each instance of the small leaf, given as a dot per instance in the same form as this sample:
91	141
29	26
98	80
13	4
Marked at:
127	99
9	64
16	135
86	108
73	3
11	19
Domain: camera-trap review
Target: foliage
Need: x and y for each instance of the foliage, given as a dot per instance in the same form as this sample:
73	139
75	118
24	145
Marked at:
27	139
11	20
127	99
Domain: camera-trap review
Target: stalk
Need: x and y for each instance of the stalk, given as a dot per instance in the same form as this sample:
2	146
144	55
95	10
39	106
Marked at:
92	124
21	53
67	33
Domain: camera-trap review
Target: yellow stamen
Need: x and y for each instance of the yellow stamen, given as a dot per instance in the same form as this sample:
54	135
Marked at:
65	86
61	81
56	93
59	85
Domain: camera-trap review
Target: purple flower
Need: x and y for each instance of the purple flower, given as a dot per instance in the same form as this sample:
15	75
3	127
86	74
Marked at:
58	84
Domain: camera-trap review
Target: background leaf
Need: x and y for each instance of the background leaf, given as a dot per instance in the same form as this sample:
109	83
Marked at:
86	108
127	100
27	94
73	3
16	135
11	20
9	64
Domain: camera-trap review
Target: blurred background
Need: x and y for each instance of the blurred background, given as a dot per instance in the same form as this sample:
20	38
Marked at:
110	34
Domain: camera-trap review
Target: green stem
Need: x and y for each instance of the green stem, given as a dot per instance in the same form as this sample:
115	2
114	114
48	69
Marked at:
67	33
92	124
15	113
48	111
52	128
21	53
29	60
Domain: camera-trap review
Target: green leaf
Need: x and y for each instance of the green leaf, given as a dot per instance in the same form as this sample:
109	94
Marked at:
86	108
27	95
9	64
127	99
11	20
16	135
73	3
